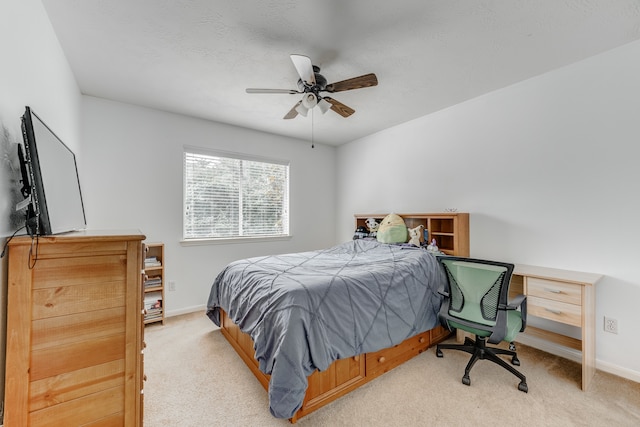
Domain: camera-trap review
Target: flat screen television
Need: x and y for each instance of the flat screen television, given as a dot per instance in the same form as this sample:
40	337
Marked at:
50	182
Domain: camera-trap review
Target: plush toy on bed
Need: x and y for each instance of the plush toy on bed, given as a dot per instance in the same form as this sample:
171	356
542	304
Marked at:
361	233
372	226
392	229
414	235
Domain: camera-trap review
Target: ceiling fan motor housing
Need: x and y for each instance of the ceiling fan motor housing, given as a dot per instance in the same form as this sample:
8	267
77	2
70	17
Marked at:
321	82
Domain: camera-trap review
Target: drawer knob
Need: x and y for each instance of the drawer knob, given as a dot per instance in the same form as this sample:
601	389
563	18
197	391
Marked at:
553	291
382	359
551	310
421	340
356	358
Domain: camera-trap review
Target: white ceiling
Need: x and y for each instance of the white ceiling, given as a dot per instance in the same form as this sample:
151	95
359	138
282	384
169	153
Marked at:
196	57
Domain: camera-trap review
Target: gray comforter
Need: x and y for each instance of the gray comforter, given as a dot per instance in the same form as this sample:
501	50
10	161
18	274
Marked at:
305	310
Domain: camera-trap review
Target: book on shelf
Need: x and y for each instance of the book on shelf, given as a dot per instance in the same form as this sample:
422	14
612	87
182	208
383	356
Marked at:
153	311
153	300
152	261
152	282
152	315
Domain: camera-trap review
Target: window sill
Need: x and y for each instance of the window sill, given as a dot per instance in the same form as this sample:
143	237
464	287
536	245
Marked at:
233	240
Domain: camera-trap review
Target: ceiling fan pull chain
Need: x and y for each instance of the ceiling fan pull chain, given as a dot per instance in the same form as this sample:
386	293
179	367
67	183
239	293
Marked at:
312	144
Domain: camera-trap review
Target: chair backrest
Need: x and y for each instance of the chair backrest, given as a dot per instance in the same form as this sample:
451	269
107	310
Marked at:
476	288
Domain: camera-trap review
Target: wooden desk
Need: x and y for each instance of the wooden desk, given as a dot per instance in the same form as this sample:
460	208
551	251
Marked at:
562	296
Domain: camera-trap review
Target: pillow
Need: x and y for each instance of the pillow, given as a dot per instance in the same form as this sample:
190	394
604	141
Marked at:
392	229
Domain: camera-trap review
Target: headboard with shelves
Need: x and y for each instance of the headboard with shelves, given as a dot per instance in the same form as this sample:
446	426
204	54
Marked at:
451	230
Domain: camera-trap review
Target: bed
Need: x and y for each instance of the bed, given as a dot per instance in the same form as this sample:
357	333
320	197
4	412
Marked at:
315	325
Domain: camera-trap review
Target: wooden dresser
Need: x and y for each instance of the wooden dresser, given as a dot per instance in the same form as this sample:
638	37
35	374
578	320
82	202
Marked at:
75	330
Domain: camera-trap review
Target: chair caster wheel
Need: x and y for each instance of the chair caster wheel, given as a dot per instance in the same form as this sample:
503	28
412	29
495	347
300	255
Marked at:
439	353
515	361
523	387
467	381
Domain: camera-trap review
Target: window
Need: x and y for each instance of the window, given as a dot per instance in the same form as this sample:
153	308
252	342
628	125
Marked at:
234	196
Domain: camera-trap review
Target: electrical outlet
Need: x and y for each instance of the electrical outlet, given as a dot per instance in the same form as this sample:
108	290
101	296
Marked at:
172	285
611	325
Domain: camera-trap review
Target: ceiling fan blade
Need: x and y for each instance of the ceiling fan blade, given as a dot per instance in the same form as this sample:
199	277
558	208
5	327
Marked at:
293	112
366	80
255	90
339	107
305	68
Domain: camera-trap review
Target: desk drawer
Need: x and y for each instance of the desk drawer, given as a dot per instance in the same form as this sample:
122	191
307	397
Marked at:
556	291
570	314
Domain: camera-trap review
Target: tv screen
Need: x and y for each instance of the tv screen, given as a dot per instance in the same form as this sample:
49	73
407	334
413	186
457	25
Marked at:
54	186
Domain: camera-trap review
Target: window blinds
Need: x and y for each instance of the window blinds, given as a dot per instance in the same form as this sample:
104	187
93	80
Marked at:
228	197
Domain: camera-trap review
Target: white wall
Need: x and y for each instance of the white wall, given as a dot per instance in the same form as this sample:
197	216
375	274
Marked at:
134	159
34	72
547	169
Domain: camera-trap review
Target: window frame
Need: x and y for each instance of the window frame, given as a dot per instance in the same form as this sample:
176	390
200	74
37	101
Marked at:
187	149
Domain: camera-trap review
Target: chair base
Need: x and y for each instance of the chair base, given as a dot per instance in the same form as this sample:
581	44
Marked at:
479	351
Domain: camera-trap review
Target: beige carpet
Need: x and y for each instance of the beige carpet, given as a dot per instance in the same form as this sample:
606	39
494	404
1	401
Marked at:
195	378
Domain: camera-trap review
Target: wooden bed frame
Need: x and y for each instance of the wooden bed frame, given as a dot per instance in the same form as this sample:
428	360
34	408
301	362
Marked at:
451	232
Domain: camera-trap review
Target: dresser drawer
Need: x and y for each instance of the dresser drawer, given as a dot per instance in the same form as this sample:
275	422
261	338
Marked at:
563	312
553	290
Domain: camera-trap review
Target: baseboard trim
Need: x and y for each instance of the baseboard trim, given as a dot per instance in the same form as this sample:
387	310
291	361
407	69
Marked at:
576	356
186	310
618	370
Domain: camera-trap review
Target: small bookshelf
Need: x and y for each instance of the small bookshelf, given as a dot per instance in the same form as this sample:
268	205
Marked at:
153	283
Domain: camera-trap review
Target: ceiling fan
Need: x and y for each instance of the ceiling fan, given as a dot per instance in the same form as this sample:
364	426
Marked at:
311	83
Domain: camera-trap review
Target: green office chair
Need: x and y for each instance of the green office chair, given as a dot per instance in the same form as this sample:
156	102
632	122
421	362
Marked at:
476	301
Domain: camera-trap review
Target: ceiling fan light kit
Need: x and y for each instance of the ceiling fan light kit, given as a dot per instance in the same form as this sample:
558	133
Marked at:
309	100
311	83
300	108
324	105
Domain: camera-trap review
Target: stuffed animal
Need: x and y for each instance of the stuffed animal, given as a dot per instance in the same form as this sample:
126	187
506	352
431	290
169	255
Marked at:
392	230
414	235
361	233
372	226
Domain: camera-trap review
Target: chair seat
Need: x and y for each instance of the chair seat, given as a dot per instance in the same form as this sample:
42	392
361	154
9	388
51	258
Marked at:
514	324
